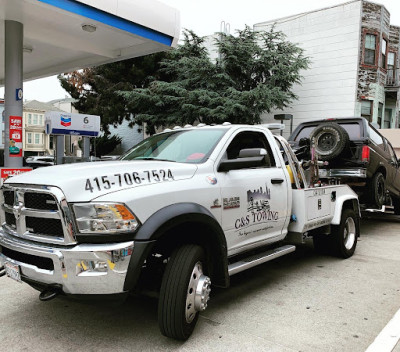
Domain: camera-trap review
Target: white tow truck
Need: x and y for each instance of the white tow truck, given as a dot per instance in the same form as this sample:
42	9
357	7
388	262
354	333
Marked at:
183	210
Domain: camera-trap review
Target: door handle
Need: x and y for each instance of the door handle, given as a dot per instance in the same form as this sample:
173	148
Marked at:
275	181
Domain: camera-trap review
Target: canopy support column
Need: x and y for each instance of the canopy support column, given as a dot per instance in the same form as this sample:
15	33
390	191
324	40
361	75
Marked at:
14	37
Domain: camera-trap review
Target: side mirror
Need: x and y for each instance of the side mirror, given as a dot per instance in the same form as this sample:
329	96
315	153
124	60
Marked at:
252	152
248	158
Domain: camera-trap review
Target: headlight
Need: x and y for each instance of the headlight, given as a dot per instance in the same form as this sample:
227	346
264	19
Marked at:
104	218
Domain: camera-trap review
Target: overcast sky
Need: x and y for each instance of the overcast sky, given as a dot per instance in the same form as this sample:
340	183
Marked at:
204	17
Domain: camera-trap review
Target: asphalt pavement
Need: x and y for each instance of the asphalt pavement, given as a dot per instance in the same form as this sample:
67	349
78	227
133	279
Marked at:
300	302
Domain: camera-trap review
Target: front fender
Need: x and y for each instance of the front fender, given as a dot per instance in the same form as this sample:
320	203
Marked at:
172	216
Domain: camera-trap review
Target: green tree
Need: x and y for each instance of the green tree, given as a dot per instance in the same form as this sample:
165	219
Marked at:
104	144
255	74
96	88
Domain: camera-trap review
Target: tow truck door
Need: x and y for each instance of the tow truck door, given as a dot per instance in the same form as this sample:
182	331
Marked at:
254	200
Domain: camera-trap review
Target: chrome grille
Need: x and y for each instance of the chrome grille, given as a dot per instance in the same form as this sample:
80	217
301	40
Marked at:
9	197
10	220
37	213
43	201
50	227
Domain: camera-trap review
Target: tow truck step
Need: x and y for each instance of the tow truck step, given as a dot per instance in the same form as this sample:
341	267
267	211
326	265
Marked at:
259	258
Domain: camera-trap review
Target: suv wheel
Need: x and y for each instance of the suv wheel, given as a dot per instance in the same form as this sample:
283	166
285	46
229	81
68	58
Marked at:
329	140
377	190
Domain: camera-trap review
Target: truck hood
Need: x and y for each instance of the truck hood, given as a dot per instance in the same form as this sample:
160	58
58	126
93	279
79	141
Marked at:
86	181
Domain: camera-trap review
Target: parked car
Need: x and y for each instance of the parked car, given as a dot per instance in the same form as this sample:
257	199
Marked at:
39	161
356	154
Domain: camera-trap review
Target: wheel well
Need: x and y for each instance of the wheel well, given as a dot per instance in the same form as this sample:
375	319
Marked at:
202	234
382	170
352	204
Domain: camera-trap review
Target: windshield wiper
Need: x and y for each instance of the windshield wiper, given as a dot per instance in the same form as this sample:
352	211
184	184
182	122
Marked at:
172	161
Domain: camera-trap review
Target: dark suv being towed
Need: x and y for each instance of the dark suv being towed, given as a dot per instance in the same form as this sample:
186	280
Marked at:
356	154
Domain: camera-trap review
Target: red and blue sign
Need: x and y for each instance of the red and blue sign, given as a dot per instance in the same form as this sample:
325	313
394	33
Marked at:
65	121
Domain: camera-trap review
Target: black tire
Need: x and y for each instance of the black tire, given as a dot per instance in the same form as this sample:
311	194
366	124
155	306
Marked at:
329	140
377	190
396	205
176	317
344	236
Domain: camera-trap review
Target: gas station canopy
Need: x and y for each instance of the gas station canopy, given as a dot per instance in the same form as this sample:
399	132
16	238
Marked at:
65	35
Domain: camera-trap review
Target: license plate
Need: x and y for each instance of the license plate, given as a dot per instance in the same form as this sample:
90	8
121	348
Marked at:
13	271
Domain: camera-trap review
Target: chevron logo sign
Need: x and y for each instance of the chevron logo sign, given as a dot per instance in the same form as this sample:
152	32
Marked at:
65	121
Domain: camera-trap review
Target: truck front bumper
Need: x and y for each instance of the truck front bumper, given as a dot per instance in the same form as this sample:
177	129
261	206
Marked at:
84	269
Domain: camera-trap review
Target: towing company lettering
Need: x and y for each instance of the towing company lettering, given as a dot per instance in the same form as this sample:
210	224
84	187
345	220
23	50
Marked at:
259	208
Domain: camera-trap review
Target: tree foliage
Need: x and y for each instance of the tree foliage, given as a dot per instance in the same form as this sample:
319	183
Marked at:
104	144
255	74
96	88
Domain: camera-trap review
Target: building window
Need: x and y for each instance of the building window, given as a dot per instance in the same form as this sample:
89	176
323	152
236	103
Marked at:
29	119
384	52
380	112
38	138
29	138
366	109
391	60
35	119
369	49
41	120
390	68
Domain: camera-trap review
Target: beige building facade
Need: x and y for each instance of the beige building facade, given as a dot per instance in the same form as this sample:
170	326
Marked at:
36	141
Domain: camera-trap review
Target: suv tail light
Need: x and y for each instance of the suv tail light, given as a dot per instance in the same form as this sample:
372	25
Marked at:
365	153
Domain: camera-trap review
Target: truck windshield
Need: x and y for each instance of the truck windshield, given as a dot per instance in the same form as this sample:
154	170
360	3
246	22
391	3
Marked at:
184	146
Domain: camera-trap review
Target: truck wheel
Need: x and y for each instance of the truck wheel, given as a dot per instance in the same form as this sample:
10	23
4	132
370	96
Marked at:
344	236
185	291
377	191
329	140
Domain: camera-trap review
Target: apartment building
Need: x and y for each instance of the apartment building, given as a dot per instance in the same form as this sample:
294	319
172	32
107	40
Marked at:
354	71
36	141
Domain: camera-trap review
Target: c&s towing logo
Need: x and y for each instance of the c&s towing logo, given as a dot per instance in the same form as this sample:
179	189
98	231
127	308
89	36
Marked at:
65	120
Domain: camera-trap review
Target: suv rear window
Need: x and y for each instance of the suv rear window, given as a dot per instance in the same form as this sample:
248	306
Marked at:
352	128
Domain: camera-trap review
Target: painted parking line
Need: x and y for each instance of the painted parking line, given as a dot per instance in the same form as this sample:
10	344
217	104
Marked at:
389	336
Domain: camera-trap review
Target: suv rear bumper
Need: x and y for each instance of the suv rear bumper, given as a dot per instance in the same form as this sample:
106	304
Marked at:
350	173
99	269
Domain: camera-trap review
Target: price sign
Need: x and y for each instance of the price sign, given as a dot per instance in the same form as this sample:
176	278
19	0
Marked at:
15	143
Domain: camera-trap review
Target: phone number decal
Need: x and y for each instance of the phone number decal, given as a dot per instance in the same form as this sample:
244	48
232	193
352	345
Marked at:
127	179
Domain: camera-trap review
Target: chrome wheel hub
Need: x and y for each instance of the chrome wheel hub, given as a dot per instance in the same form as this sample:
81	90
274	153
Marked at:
349	233
198	292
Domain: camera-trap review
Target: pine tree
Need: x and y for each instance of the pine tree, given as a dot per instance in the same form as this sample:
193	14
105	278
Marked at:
255	74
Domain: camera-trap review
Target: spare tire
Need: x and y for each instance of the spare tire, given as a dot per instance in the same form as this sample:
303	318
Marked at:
329	140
